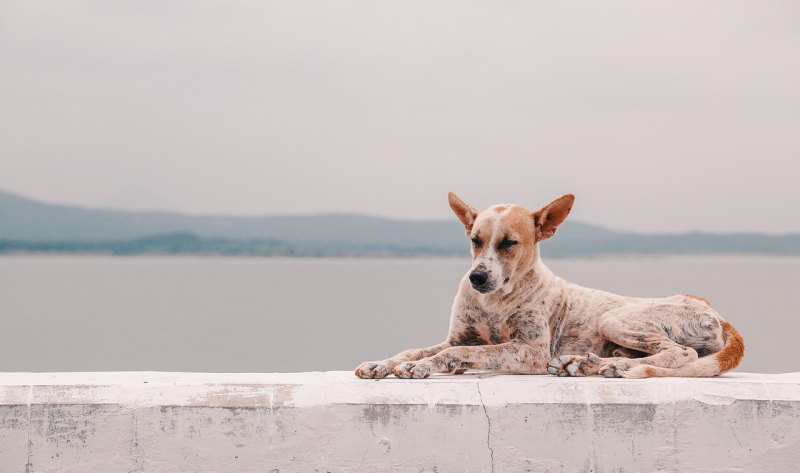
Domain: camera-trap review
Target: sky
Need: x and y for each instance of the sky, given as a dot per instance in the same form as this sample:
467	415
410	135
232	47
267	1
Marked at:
660	116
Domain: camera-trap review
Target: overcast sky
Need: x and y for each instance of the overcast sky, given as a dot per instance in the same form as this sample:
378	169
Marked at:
658	115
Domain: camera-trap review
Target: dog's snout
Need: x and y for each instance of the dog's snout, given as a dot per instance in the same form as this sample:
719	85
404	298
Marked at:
478	278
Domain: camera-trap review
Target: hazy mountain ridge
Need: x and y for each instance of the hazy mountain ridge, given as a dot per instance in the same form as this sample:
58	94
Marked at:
30	226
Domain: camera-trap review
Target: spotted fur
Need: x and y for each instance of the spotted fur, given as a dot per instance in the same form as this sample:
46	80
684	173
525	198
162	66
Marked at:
524	319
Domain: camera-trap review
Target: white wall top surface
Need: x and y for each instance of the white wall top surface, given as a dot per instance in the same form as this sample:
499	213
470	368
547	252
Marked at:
279	390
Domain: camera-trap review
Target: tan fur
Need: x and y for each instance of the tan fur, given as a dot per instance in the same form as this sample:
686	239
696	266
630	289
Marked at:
730	356
552	215
524	319
464	212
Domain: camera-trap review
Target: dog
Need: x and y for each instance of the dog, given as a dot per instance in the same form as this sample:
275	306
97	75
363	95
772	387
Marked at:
512	314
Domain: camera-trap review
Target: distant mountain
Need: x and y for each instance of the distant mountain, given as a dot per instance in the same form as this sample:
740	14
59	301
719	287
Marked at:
30	226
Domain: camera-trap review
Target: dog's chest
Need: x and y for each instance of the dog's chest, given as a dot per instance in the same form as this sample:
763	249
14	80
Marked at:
481	328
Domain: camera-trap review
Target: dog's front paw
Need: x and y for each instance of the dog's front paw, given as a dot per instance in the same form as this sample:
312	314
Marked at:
374	369
573	365
615	369
414	369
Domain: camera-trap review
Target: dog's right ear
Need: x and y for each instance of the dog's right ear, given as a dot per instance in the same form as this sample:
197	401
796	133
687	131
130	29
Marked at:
463	211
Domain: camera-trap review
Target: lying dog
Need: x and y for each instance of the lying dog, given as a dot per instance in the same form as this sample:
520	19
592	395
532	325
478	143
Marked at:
512	314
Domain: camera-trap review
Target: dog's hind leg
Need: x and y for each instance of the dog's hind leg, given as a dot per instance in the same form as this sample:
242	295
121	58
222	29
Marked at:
669	334
670	356
647	329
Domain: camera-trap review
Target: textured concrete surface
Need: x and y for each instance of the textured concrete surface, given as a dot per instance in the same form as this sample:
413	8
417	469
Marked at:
334	422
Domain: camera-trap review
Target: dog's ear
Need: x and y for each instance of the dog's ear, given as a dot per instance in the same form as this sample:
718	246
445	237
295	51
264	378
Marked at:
548	218
463	211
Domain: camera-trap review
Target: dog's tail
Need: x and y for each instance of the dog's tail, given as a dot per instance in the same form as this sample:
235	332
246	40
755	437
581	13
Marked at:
717	363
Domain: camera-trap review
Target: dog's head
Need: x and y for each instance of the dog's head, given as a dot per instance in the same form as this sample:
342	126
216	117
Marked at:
504	238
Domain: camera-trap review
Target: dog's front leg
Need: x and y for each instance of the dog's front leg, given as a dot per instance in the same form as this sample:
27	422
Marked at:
516	356
382	369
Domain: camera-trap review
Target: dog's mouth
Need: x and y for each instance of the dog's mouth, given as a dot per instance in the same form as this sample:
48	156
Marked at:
485	289
489	286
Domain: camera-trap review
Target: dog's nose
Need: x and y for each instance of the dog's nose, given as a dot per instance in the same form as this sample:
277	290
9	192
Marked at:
478	278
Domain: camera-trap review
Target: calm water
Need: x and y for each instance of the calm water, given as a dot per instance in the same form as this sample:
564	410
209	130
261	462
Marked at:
70	313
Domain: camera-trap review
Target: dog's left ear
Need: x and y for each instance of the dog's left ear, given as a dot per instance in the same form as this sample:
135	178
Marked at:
548	218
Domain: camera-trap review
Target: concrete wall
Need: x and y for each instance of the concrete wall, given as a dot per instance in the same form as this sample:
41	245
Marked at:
334	422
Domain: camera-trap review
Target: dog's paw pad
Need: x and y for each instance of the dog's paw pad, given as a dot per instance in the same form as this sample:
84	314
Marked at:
572	369
555	366
573	365
566	365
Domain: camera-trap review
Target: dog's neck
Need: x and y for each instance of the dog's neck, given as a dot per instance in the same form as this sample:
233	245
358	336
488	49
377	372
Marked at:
532	283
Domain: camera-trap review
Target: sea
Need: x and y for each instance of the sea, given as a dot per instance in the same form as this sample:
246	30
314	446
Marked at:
218	314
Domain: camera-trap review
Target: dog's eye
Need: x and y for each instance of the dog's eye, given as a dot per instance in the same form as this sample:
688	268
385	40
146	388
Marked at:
476	242
506	244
